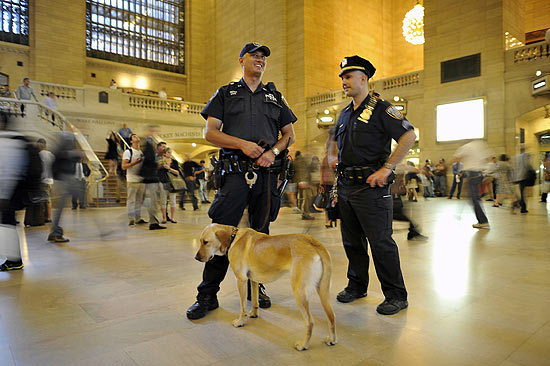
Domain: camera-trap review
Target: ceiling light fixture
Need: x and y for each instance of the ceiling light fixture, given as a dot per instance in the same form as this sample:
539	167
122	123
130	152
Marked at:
413	25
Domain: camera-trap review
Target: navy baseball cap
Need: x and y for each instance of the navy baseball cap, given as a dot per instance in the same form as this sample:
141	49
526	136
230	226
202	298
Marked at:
253	47
351	63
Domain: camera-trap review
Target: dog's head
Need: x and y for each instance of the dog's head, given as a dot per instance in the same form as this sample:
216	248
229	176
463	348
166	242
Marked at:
215	240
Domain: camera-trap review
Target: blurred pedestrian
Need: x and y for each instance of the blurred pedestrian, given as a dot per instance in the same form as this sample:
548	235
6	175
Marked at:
303	178
47	176
458	171
545	185
132	160
200	174
112	153
440	178
64	169
189	168
475	156
505	188
13	160
521	170
150	178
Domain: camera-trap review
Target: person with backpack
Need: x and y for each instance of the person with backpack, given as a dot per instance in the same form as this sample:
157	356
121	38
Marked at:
13	171
132	159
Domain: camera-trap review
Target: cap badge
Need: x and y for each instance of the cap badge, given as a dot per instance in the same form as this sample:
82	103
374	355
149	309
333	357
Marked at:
344	62
256	44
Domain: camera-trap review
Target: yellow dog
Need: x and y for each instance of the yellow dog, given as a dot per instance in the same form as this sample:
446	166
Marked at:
262	258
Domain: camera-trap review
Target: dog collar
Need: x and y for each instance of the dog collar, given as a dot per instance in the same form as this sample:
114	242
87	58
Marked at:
233	235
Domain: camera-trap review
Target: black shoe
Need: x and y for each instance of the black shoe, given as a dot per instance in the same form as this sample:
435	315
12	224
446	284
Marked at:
348	295
415	235
141	221
202	306
11	266
57	239
195	208
308	217
263	299
391	306
156	227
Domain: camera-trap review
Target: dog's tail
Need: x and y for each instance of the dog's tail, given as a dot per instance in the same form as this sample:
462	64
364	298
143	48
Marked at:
323	289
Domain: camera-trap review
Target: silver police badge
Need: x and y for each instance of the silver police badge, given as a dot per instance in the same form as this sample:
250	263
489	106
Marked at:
394	112
344	62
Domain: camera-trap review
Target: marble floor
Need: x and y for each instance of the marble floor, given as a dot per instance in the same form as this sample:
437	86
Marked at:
117	296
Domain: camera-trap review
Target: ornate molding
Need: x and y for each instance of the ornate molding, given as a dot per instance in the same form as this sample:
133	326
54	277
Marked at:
14	48
134	70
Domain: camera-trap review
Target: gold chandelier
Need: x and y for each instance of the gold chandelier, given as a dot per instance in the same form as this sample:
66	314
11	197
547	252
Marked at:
413	25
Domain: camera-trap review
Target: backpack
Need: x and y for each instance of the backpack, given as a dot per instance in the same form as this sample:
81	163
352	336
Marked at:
122	172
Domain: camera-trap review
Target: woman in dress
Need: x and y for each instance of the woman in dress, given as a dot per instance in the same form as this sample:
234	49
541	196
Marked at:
112	153
505	188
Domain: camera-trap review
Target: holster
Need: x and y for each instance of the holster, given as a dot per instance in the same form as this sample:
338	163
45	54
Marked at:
217	176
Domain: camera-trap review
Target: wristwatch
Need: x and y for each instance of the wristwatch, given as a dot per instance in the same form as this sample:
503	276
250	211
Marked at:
275	151
389	165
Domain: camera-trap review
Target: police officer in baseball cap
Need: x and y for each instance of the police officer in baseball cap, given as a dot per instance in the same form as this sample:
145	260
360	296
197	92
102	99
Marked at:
360	149
245	119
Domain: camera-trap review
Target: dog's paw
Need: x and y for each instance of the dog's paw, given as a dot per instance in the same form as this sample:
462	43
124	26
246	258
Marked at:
330	342
237	323
253	315
300	346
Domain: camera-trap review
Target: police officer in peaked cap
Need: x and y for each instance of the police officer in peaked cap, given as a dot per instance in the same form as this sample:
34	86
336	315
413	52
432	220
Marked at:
360	150
245	119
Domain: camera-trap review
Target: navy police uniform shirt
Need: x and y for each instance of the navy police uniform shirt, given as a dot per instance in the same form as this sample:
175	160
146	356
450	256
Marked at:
248	115
363	141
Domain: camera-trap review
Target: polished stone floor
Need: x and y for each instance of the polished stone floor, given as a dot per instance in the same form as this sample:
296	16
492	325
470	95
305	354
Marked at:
117	296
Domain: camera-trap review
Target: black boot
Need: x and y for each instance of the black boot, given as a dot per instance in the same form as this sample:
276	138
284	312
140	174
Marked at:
263	299
203	305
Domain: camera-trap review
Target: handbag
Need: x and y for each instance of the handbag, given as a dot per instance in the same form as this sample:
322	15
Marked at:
176	182
530	177
320	201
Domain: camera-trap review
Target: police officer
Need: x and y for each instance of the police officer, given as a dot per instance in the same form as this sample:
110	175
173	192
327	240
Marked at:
361	151
245	118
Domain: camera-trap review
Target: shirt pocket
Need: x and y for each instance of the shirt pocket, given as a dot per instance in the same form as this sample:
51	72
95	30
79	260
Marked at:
340	136
272	110
235	105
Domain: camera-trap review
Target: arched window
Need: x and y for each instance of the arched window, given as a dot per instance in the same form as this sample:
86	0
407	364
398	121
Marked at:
147	33
14	18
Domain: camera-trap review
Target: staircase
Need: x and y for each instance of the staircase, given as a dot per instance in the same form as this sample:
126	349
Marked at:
110	192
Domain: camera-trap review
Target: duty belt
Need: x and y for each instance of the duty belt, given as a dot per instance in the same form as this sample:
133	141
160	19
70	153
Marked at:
356	174
234	165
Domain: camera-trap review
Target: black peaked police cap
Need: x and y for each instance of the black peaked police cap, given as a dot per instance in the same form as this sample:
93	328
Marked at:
351	63
253	47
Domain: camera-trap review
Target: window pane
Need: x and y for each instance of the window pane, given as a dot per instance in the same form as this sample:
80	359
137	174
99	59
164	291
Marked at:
14	21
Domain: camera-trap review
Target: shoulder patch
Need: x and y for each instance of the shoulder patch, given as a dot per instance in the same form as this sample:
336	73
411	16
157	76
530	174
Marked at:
394	112
284	101
216	93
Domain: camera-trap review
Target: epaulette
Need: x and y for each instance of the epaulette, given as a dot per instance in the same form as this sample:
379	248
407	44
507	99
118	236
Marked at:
271	86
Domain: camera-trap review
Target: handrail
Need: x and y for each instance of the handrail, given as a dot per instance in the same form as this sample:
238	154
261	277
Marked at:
122	139
58	120
177	157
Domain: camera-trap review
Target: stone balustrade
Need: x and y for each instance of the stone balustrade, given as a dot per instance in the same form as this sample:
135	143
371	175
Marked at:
400	81
166	105
61	91
540	50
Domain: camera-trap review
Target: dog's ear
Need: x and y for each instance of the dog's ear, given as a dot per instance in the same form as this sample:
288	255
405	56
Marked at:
224	237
